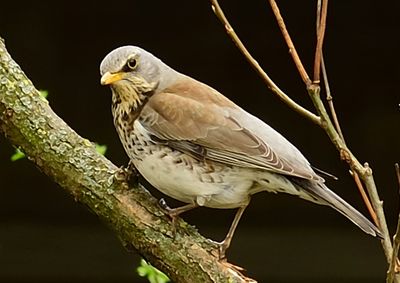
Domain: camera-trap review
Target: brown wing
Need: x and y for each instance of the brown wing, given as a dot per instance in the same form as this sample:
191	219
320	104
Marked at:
194	118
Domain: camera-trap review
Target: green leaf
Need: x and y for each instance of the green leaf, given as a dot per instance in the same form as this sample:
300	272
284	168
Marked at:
151	273
18	154
44	93
101	148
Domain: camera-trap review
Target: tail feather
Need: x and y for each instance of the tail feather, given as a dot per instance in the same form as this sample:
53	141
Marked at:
320	193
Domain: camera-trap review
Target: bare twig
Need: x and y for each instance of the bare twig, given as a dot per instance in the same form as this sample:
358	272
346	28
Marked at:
365	172
329	99
289	42
365	197
270	83
394	263
321	25
368	179
324	121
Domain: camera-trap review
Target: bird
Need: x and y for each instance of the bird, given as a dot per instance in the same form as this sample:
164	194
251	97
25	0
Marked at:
197	146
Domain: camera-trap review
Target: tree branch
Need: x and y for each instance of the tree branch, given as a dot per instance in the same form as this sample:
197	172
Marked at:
365	172
29	123
323	119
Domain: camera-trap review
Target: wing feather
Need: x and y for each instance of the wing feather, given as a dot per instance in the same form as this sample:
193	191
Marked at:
194	118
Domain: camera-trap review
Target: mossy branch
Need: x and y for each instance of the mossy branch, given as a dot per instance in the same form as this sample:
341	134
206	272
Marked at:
28	122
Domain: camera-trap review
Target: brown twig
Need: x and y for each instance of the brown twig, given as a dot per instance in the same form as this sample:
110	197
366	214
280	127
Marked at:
321	26
329	99
270	83
292	50
394	263
365	197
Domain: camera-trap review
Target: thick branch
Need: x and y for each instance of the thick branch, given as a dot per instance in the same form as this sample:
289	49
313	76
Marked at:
29	123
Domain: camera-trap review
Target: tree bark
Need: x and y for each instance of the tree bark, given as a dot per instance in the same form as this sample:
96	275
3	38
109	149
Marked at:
28	122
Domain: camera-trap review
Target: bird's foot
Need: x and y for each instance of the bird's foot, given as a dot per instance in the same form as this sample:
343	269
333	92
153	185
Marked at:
126	174
171	212
220	250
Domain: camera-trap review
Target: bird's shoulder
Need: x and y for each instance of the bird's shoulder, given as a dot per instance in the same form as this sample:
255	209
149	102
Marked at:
187	89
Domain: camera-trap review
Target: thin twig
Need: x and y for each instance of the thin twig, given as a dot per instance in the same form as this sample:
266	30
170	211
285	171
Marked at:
369	182
365	197
394	263
321	25
329	99
270	83
289	42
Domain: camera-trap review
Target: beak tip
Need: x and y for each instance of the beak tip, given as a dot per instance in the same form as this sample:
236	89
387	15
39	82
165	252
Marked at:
105	78
109	78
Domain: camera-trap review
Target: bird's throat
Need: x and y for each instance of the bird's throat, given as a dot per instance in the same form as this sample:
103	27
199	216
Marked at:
129	98
126	111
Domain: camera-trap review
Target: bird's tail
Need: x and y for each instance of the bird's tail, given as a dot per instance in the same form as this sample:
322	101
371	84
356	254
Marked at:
320	193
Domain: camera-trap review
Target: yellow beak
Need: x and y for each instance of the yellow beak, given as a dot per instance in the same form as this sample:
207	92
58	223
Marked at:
109	78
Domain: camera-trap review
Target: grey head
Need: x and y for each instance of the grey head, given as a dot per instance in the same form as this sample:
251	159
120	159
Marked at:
132	71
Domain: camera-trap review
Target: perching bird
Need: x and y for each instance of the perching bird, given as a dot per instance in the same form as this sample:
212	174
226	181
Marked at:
195	145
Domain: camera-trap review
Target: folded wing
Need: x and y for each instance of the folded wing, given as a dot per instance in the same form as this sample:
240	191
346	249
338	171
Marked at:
196	119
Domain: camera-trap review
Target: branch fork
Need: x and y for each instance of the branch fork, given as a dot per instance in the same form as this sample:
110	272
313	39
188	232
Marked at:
332	129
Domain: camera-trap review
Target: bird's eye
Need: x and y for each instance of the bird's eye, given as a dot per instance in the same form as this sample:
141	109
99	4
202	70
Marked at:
131	64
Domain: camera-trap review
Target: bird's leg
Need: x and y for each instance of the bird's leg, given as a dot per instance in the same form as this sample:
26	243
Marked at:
224	245
175	212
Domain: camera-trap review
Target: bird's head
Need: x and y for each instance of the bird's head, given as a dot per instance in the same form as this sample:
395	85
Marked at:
134	74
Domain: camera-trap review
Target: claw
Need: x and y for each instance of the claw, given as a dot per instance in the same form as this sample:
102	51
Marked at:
173	213
125	174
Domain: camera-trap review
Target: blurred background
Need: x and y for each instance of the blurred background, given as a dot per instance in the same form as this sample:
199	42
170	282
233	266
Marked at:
47	237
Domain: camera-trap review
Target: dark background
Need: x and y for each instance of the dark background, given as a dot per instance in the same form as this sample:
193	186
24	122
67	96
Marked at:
46	237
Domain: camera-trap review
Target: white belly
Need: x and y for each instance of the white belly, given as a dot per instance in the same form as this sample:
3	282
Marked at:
188	180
